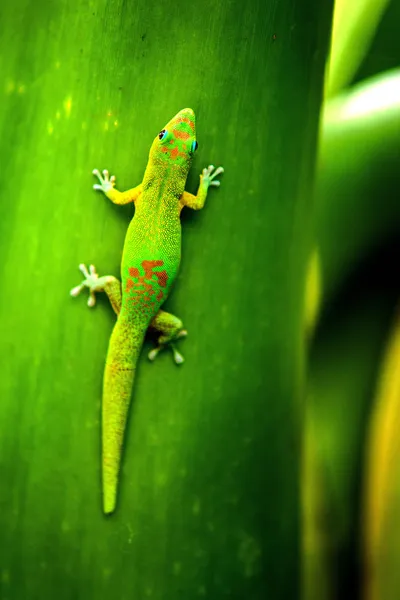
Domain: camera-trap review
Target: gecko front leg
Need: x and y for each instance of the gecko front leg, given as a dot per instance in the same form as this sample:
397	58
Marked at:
207	179
107	186
108	284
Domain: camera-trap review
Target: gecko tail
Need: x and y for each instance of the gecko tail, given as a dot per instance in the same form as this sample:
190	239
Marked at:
119	376
118	382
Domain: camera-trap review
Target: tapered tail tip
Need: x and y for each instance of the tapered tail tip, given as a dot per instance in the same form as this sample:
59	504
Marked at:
109	502
108	511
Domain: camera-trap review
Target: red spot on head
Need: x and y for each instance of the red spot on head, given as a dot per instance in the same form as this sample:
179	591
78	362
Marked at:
164	149
174	153
189	122
182	135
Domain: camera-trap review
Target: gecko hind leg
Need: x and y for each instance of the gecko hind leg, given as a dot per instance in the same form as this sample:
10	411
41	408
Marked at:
108	284
171	329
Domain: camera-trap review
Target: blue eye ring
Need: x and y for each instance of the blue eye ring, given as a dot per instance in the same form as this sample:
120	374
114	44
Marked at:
163	134
194	146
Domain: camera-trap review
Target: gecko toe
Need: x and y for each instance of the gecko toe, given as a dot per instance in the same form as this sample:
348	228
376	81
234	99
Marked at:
152	355
76	290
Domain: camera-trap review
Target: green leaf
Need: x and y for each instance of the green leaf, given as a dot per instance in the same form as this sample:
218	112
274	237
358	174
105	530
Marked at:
354	26
384	50
209	496
380	514
358	175
344	364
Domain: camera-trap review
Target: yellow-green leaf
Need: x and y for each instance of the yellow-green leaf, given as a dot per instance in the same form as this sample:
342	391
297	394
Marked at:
354	25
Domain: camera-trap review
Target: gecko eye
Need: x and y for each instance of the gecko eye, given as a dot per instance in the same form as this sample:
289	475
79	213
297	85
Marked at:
163	134
194	146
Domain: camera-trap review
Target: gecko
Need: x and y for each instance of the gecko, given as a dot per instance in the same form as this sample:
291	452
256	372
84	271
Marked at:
150	262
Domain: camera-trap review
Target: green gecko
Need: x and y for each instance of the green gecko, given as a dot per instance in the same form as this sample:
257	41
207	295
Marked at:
150	264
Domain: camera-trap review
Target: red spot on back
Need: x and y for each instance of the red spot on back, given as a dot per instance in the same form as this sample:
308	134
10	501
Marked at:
148	267
141	287
162	277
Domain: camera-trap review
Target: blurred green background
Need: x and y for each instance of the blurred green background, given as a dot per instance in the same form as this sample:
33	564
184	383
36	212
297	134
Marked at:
217	497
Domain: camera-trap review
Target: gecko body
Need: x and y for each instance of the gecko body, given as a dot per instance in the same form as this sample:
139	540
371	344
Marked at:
150	263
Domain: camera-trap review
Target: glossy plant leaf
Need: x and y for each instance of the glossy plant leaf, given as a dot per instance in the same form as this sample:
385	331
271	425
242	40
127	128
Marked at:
358	177
381	490
354	26
209	497
344	364
383	54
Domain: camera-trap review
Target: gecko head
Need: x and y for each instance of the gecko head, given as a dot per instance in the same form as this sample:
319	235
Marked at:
176	143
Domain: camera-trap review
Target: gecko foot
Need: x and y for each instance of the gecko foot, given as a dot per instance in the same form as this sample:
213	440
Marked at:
178	358
92	281
106	182
208	175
